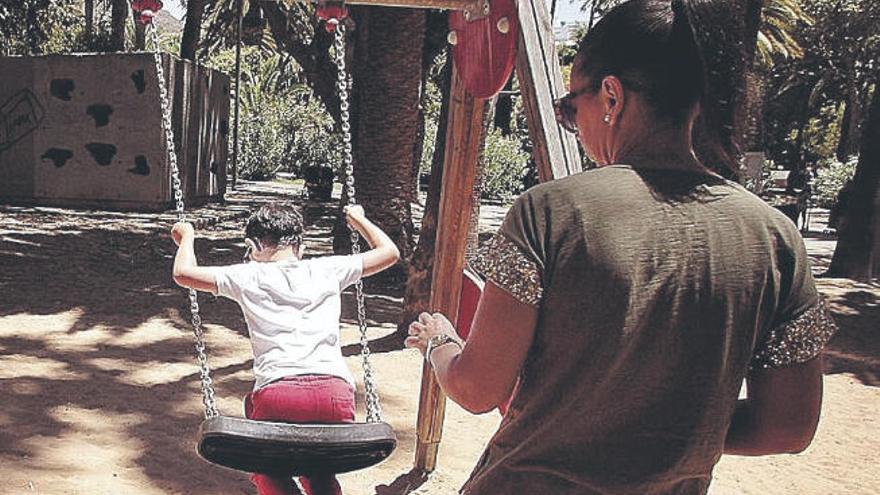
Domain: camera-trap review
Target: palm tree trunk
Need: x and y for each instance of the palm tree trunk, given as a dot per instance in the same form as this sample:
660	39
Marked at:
192	29
89	12
34	34
857	254
753	11
140	33
387	87
753	110
417	296
852	114
118	15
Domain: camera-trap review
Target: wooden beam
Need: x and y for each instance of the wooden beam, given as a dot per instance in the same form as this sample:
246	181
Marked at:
540	79
421	4
469	5
463	139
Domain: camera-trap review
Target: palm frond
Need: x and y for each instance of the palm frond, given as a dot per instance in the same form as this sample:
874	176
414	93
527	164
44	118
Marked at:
779	20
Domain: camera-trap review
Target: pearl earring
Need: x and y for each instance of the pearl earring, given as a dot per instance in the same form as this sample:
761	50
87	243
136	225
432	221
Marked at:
607	118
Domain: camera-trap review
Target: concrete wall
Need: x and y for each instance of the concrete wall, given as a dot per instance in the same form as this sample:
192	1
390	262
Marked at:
85	131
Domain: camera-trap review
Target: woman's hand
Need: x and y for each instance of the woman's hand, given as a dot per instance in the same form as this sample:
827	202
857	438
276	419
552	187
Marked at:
427	326
182	231
482	374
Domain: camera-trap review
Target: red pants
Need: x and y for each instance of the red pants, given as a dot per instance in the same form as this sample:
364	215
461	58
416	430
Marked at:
301	399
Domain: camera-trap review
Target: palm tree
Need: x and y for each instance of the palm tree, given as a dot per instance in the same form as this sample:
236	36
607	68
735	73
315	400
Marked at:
192	28
857	254
780	18
385	115
386	119
118	16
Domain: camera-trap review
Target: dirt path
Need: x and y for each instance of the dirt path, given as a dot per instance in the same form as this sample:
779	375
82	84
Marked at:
99	391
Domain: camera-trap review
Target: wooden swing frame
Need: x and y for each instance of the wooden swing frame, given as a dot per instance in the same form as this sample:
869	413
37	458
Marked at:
555	152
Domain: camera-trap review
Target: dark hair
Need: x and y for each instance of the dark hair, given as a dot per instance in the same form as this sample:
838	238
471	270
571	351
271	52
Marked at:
276	224
663	49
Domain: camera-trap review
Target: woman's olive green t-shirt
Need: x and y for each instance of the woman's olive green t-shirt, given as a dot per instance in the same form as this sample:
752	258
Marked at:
657	292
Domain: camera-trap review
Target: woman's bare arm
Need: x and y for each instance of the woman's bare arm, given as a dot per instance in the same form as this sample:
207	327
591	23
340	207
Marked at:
781	412
482	375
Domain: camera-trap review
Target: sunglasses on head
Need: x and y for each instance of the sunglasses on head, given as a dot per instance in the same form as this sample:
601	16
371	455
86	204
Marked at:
566	112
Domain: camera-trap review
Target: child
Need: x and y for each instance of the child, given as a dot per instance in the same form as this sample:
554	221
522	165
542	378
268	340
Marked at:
292	308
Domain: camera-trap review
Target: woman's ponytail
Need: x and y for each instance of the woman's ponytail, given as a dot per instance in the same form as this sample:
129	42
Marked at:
708	35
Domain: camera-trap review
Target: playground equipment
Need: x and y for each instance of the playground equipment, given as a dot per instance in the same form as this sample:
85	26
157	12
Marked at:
267	447
490	38
83	131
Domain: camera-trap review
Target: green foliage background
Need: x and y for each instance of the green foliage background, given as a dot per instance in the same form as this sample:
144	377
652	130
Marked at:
818	59
283	127
833	175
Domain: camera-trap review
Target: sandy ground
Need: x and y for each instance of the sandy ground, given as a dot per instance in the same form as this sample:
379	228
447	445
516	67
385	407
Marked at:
99	392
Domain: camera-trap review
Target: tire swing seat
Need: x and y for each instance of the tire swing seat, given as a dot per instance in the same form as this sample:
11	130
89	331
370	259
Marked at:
295	449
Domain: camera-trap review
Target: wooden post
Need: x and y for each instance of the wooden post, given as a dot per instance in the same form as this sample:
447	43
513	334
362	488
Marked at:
556	154
537	69
463	139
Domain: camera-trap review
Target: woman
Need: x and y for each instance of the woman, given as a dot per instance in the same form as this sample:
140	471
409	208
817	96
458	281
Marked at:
630	302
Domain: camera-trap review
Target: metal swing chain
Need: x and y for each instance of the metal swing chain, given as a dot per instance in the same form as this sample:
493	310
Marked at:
342	86
198	331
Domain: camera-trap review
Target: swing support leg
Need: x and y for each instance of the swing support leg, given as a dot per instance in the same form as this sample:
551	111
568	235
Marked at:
459	174
555	153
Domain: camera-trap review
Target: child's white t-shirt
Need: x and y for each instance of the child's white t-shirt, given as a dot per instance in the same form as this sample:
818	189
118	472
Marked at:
292	310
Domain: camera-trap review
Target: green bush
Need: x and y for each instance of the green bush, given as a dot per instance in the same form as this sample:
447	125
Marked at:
832	176
283	126
278	134
506	157
504	167
262	140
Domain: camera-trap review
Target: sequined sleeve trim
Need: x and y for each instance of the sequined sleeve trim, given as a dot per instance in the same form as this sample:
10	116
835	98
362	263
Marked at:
797	341
503	262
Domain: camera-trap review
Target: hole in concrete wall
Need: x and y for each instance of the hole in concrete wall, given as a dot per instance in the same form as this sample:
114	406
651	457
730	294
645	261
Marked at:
59	156
140	84
61	88
102	153
101	114
141	167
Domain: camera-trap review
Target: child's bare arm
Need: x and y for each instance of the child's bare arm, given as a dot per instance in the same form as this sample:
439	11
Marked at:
187	272
383	252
